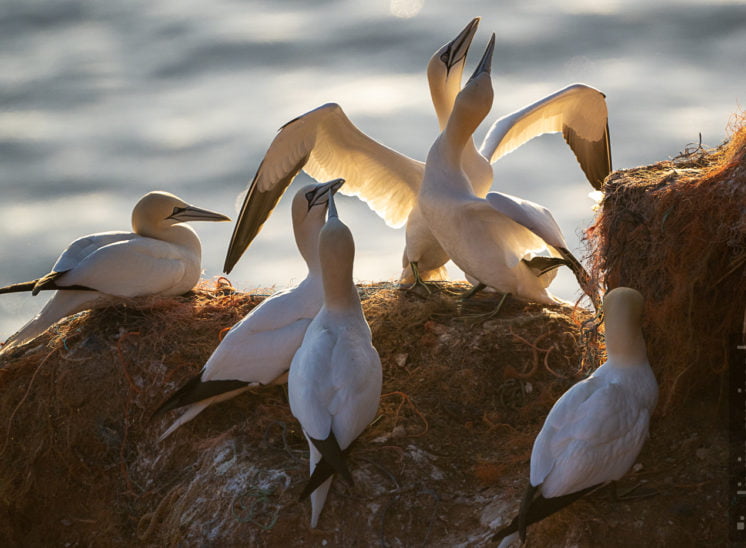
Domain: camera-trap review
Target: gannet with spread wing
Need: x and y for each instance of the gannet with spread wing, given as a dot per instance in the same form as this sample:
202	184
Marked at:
259	348
325	143
335	378
161	256
494	240
595	431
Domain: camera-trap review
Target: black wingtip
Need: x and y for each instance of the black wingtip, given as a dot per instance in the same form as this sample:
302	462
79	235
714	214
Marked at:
332	453
535	508
19	287
195	391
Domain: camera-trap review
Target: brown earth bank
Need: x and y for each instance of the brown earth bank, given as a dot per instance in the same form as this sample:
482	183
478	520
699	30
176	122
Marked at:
444	463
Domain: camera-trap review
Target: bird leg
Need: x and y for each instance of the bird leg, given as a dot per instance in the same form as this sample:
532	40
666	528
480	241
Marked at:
476	288
636	492
488	315
418	281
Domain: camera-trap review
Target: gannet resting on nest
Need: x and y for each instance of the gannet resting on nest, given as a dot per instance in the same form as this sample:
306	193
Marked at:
495	240
595	431
259	348
335	378
161	256
325	143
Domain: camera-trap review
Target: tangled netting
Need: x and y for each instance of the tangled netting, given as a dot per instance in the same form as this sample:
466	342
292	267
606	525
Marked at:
676	231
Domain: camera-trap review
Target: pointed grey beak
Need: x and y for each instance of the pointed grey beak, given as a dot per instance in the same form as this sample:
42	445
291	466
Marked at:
319	194
332	211
485	65
457	48
192	213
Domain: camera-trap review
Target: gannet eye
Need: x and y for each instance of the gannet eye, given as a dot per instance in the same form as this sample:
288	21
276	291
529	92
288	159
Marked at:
444	56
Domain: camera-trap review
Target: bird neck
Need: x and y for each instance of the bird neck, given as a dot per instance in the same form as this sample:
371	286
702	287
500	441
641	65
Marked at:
178	234
307	240
624	342
337	254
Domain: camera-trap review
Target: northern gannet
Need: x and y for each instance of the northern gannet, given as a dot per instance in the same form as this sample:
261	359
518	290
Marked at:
495	240
259	348
161	256
324	143
334	384
595	431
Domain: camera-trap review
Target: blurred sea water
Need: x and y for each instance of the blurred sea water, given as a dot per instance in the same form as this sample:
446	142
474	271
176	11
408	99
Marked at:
101	102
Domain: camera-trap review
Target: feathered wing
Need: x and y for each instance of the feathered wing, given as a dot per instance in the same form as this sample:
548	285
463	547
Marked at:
540	221
129	268
257	350
533	216
69	259
592	440
516	241
578	111
327	145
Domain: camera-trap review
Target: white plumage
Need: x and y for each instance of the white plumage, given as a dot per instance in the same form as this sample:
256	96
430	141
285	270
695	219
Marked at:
325	143
492	239
259	348
161	256
334	384
595	431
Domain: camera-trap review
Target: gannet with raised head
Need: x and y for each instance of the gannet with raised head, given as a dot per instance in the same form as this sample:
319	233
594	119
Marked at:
259	348
324	142
495	240
595	431
334	384
161	256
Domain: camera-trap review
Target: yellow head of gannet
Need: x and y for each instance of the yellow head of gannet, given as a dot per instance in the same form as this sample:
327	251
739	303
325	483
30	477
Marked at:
161	256
259	348
335	378
595	431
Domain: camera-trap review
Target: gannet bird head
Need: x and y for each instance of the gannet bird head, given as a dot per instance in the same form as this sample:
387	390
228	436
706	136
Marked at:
622	317
474	101
445	68
308	213
159	210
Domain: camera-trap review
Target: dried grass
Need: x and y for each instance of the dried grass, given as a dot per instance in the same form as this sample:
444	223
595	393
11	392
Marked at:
676	231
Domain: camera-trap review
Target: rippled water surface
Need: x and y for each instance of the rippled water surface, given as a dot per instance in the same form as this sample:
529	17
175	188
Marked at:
101	102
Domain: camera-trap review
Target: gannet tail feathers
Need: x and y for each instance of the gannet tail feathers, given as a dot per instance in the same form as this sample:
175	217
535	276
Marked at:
535	508
332	453
321	472
62	304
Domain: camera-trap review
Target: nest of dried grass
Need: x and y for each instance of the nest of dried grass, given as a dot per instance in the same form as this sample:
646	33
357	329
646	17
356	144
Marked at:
462	401
676	231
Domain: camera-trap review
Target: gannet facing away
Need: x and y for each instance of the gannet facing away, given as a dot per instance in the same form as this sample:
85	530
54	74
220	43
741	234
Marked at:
259	348
494	240
325	143
335	378
161	256
595	431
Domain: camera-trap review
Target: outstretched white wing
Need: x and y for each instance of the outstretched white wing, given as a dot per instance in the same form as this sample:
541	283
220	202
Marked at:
578	111
327	145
